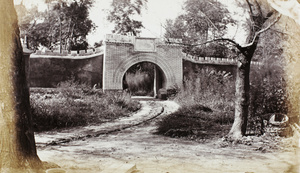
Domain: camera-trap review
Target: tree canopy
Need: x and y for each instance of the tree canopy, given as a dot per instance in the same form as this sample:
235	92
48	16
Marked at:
65	25
122	15
201	21
260	16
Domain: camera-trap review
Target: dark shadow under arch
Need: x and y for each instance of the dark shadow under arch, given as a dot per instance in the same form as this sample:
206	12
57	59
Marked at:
144	57
144	78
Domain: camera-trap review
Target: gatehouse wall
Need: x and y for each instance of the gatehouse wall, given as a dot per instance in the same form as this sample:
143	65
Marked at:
122	52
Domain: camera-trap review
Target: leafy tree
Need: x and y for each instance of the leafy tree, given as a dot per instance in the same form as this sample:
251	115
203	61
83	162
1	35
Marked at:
122	14
65	25
261	18
18	150
201	21
26	19
79	23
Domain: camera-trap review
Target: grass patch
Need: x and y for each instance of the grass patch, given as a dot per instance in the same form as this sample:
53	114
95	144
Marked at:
207	106
71	106
195	122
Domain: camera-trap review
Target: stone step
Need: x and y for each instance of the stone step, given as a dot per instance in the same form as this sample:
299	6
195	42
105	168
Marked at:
121	168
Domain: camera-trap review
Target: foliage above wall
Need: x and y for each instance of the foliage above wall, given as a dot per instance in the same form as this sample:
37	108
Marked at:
64	25
122	15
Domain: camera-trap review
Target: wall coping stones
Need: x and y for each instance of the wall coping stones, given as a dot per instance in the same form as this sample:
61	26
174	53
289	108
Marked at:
214	60
66	54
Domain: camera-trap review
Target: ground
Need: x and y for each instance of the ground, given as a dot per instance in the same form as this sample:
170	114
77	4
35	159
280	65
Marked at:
127	141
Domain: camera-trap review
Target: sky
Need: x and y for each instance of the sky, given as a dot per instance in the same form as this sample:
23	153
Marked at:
153	16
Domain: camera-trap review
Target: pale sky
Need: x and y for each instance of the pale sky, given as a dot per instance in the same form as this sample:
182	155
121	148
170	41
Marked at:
155	15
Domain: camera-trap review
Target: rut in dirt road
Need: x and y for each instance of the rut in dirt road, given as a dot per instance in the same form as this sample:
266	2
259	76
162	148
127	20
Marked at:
149	111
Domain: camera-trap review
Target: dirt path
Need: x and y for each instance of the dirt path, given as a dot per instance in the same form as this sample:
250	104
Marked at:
154	154
149	110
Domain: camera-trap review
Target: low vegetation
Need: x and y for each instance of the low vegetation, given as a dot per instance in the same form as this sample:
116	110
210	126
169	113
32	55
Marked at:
195	122
207	103
72	104
207	106
139	79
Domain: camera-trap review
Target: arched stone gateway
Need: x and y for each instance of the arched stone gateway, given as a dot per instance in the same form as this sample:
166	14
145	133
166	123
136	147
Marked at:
105	67
125	65
122	52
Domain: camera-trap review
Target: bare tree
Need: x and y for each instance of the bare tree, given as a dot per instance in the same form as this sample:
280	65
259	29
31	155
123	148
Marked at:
17	144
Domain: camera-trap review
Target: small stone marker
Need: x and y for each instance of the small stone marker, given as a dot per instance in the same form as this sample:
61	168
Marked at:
81	52
48	52
56	52
98	50
90	51
38	52
73	53
65	52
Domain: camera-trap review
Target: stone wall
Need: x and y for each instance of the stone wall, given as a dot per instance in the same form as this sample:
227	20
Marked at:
48	69
122	52
190	67
107	66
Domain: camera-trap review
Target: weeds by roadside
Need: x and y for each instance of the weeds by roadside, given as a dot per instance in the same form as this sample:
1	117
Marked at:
195	122
207	107
210	88
76	105
216	90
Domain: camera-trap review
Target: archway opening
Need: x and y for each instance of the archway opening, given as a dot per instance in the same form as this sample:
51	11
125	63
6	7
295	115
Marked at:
144	79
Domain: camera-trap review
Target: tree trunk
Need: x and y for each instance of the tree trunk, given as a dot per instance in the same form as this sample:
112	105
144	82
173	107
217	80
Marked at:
17	144
242	87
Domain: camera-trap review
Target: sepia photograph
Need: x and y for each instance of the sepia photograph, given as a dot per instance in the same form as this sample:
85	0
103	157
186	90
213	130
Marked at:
149	86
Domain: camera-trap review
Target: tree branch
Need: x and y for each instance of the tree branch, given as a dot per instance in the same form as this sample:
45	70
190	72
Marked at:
220	40
238	46
262	30
251	11
208	19
259	8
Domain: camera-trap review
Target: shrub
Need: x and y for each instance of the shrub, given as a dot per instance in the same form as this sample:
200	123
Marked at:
267	93
207	107
70	107
208	87
139	79
194	122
